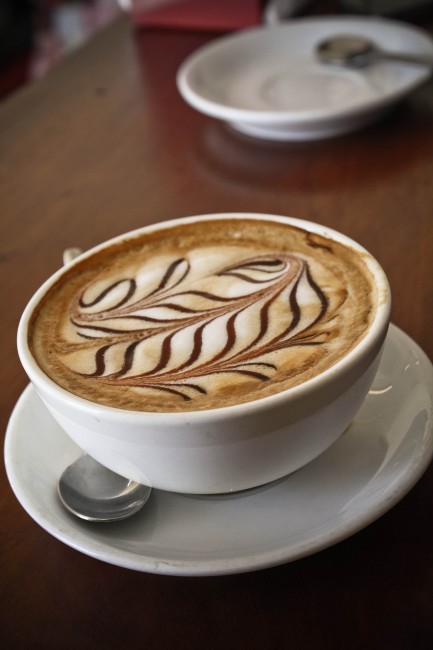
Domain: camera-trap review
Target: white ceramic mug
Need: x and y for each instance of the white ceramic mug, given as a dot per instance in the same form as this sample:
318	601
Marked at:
229	448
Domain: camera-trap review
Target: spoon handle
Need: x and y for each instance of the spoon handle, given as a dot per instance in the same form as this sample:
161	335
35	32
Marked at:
423	59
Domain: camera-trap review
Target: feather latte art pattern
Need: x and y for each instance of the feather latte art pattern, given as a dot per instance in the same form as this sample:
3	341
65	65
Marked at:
202	314
185	327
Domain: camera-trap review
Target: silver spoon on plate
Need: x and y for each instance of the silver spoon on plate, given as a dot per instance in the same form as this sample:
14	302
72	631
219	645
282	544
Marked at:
359	51
91	491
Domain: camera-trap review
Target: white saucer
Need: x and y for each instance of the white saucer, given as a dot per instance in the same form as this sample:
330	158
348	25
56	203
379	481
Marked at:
369	469
266	81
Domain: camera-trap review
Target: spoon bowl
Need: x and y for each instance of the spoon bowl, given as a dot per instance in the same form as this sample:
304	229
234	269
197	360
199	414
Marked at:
359	51
94	493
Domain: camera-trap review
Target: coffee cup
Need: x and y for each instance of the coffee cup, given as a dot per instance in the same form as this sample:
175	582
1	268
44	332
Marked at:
209	354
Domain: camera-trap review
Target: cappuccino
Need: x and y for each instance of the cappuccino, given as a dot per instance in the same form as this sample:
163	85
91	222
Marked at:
202	314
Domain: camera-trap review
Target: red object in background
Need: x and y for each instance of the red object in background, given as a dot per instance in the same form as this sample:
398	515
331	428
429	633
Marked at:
208	15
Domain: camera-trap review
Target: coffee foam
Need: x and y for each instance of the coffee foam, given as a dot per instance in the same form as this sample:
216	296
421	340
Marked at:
203	315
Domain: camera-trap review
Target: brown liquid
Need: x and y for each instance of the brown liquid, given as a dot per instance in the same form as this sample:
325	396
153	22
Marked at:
203	315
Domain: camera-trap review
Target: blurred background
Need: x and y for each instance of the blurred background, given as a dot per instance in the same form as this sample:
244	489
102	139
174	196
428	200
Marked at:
35	34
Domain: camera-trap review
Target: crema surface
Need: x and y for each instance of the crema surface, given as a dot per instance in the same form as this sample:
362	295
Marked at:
203	315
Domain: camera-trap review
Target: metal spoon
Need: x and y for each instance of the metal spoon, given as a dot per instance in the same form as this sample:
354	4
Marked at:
358	51
91	491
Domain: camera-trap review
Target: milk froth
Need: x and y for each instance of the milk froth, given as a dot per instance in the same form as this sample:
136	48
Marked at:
203	315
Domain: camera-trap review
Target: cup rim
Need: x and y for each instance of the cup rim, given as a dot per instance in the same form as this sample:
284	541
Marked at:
376	330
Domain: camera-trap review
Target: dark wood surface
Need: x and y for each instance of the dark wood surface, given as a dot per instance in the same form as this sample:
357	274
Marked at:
105	144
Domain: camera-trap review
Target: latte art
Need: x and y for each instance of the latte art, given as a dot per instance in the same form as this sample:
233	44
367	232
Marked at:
203	316
179	334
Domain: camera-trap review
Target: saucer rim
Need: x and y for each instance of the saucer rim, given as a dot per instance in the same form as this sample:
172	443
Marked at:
74	535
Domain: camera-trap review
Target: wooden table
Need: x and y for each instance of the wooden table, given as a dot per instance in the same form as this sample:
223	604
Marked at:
105	144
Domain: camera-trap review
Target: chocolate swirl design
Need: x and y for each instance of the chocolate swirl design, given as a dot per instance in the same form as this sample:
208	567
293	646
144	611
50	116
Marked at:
191	326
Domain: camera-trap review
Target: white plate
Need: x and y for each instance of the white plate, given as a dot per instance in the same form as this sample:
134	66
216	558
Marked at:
371	467
267	82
